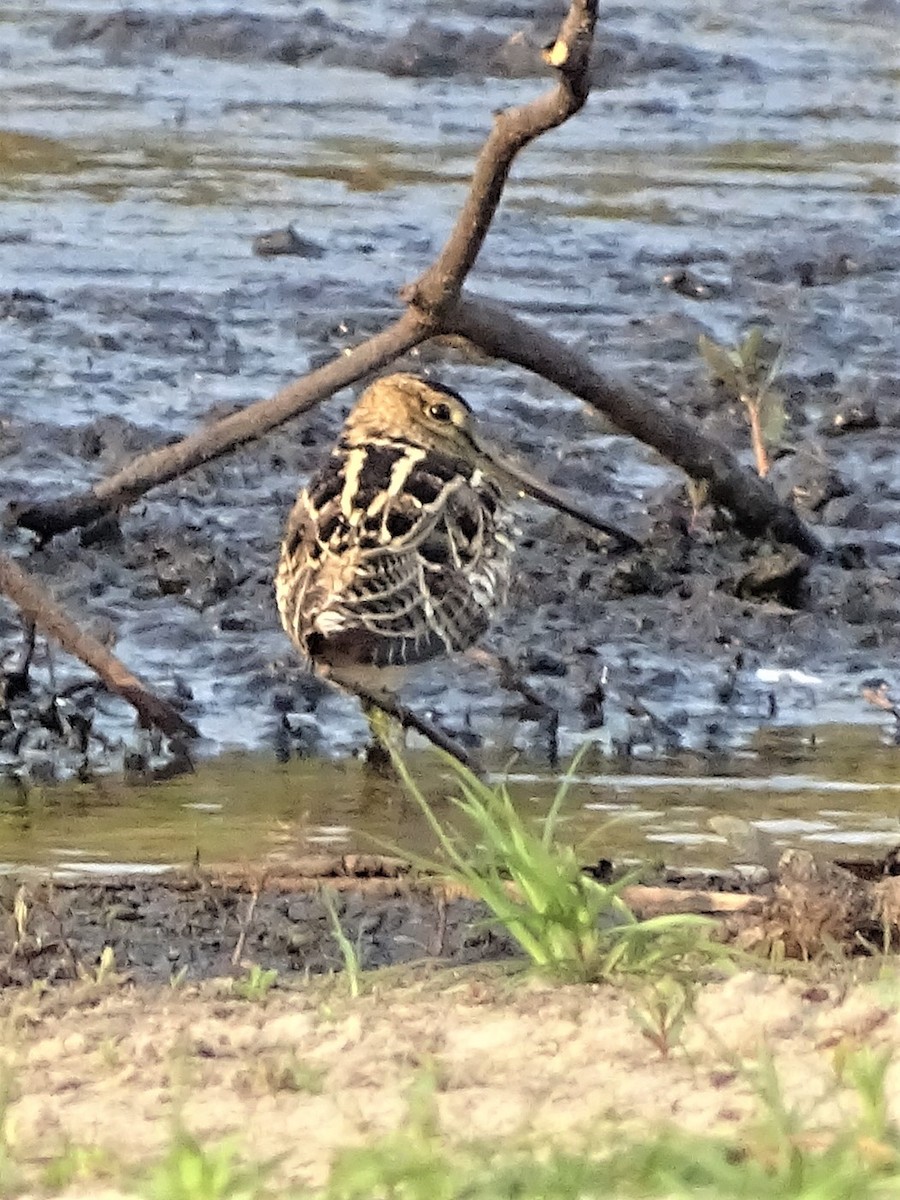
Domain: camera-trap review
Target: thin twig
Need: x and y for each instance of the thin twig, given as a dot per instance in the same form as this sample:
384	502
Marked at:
757	438
39	607
238	952
406	717
513	129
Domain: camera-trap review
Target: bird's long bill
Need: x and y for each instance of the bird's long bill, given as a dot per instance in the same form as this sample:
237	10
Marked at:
517	477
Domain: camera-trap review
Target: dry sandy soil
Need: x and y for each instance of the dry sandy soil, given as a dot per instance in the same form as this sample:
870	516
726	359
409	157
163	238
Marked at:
303	1072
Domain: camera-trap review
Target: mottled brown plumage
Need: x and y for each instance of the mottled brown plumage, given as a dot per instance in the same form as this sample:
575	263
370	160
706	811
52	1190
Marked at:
399	549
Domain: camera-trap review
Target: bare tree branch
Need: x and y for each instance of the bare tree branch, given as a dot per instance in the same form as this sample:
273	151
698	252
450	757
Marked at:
753	501
513	129
436	306
147	471
42	610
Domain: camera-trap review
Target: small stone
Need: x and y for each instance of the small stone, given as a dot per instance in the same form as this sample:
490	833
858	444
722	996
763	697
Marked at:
286	241
852	414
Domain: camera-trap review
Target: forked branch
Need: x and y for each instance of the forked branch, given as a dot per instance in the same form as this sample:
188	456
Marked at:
753	502
437	305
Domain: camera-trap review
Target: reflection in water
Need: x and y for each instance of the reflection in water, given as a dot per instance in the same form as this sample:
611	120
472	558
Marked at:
834	788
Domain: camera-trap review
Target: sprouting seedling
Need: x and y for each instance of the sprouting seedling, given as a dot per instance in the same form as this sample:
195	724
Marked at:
661	1011
256	984
748	371
104	974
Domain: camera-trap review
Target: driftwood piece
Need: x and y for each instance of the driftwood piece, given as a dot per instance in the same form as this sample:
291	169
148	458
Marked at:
646	902
41	610
437	306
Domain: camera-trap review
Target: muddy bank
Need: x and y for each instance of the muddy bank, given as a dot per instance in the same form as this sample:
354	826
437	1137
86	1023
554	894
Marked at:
154	927
425	49
699	195
199	927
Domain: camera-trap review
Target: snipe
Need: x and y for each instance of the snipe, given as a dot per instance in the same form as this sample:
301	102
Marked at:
400	548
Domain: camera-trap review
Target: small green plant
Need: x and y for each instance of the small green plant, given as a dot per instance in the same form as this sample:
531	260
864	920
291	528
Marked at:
566	922
105	973
748	371
256	984
412	1163
78	1164
661	1011
349	952
865	1070
780	1156
191	1172
178	978
791	1157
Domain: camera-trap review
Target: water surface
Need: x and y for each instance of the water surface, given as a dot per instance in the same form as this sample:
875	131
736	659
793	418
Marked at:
834	790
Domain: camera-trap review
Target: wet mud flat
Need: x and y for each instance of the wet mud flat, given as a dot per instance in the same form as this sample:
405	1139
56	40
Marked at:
196	926
654	219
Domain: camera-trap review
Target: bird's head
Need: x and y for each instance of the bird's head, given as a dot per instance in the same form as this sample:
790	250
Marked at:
415	410
430	415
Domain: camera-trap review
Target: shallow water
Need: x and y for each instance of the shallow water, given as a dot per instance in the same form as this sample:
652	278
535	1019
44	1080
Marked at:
834	790
131	184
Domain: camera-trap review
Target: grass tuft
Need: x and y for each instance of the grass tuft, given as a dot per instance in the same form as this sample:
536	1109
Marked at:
569	925
782	1156
349	952
190	1171
255	985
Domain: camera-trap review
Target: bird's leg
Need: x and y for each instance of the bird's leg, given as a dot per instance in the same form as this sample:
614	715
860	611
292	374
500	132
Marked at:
388	704
381	736
511	680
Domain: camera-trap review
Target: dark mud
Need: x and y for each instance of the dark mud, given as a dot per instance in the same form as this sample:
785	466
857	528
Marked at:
197	928
193	925
190	926
425	49
707	189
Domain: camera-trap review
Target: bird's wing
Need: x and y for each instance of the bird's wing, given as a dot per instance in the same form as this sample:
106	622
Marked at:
398	557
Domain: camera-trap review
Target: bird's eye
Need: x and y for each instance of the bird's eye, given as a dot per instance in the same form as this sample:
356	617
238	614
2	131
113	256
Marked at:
440	412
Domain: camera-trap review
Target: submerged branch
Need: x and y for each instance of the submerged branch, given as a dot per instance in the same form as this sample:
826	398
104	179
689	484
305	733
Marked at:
41	610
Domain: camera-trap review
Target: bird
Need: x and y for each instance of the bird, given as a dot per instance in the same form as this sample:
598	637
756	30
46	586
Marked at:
400	548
